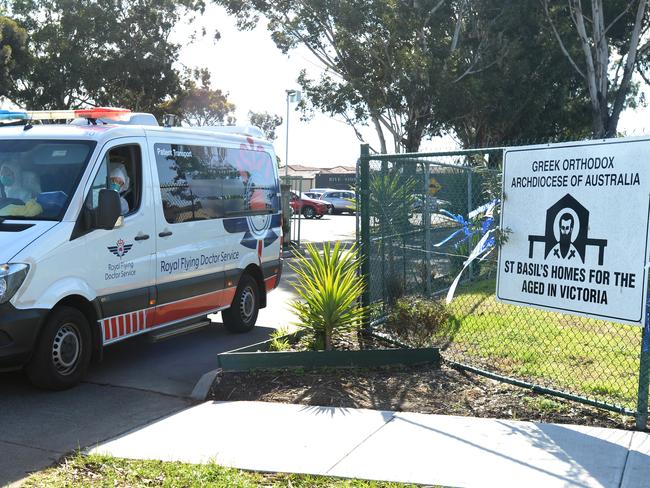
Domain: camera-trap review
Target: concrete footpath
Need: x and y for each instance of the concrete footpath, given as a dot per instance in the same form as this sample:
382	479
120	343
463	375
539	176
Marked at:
382	445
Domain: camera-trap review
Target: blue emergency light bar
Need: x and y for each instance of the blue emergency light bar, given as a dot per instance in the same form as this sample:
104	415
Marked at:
13	115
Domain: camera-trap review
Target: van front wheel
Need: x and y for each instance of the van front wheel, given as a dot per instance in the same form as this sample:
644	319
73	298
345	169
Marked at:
242	314
63	351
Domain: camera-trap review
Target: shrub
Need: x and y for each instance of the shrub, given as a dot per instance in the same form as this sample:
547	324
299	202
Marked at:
329	291
278	341
417	321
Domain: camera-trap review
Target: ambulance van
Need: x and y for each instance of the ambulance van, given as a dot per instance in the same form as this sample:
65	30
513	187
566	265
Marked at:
111	229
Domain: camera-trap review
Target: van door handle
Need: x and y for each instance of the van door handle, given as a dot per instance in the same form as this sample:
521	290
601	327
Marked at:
167	233
142	237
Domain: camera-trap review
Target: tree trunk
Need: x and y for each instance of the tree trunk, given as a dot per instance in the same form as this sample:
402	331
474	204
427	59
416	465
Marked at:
328	339
380	134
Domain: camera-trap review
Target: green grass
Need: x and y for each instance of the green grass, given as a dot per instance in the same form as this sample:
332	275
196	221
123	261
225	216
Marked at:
105	471
590	357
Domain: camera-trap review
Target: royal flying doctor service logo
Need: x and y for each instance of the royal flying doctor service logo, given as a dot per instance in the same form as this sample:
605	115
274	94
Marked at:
120	248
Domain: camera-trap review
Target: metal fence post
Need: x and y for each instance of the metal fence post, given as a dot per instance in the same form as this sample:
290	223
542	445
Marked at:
469	209
644	372
364	201
426	220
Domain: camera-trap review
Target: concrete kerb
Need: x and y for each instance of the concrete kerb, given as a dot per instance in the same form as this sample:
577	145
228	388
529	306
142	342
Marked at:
202	388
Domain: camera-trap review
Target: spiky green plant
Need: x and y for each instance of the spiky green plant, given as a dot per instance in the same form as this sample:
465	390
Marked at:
329	289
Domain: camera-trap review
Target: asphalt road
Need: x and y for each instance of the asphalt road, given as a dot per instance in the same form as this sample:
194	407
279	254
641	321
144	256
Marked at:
137	383
327	228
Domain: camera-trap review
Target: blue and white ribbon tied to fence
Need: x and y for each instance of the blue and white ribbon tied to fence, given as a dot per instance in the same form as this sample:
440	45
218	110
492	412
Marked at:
484	246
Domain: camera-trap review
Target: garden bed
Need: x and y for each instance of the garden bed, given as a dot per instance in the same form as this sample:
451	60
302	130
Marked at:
423	389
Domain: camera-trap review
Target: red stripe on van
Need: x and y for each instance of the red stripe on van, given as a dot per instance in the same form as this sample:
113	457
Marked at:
149	317
271	282
113	328
129	324
106	324
194	306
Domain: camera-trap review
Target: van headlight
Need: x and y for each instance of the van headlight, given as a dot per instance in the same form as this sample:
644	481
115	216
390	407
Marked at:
11	277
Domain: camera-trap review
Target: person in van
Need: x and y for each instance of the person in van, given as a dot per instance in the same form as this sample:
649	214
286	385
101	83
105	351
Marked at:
12	184
119	181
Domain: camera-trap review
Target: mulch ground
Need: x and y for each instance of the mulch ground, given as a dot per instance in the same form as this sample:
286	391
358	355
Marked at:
423	389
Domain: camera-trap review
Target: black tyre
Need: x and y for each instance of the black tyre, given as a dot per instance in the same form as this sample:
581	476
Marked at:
308	212
63	351
242	314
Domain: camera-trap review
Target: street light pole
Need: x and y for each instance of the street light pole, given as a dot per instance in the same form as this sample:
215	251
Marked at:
292	96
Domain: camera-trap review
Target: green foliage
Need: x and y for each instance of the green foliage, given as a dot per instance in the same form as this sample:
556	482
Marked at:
102	471
278	340
267	122
418	321
388	62
13	53
529	94
488	70
329	291
198	104
100	53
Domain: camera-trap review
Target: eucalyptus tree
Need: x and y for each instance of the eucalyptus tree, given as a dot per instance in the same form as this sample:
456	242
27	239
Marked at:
387	62
199	104
94	52
613	41
267	122
14	56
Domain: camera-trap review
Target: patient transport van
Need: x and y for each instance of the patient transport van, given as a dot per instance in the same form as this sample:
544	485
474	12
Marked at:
80	270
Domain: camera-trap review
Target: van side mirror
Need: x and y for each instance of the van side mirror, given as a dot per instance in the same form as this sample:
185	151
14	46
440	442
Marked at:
109	209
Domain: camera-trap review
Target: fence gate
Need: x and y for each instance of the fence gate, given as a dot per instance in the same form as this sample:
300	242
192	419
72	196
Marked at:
421	215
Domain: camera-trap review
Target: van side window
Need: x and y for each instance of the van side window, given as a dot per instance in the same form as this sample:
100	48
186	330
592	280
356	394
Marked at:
211	182
121	170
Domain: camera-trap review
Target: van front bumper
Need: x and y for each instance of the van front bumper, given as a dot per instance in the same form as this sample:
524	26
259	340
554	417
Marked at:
18	332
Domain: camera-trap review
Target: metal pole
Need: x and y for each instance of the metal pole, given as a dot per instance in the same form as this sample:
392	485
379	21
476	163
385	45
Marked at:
644	372
286	148
364	200
299	213
469	209
426	220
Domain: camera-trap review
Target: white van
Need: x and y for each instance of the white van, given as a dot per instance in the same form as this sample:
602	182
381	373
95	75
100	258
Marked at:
196	230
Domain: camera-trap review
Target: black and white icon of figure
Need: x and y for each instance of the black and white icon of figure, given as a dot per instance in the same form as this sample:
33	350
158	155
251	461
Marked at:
565	237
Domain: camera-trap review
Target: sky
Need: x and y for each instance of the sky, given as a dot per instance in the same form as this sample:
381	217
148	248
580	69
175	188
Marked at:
255	74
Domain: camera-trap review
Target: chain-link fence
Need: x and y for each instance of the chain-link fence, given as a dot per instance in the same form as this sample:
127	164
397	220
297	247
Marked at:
420	218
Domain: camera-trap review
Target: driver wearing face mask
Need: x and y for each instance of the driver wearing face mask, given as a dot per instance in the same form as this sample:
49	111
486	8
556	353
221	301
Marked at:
11	180
119	181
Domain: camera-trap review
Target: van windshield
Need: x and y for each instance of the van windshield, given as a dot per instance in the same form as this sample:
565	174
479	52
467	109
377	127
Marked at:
38	177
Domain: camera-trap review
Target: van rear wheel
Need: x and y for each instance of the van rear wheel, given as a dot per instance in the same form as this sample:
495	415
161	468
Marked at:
63	351
242	314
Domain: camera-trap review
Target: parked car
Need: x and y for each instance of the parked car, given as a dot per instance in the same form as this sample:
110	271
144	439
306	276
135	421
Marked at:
341	200
434	204
313	194
309	207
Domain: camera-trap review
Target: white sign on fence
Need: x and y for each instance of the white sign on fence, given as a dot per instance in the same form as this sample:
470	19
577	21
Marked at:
578	216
